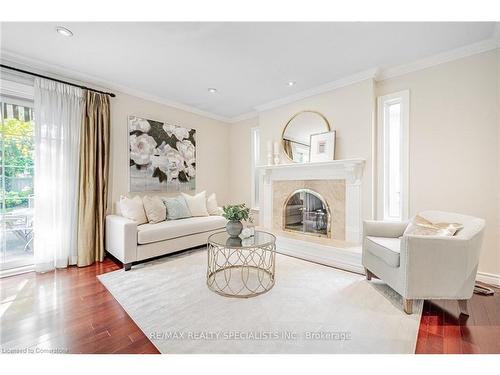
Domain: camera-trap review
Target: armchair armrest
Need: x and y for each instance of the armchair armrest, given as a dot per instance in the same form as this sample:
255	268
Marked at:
439	267
121	238
379	228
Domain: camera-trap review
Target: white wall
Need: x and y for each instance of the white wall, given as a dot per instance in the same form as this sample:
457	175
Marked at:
454	142
349	111
212	149
454	139
240	161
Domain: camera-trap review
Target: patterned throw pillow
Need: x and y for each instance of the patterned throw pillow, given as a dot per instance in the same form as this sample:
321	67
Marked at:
176	208
423	227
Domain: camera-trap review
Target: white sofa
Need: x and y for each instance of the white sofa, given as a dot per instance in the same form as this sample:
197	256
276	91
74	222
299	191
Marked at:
424	267
129	242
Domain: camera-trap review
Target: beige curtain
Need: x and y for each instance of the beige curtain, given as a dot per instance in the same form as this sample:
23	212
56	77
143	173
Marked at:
94	167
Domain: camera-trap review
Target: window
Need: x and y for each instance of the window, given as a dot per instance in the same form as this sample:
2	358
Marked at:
255	162
16	181
393	133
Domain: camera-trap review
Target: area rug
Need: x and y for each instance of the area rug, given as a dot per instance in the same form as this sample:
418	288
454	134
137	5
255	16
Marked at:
311	309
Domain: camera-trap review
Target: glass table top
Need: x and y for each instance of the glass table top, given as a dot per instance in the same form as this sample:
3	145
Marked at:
259	239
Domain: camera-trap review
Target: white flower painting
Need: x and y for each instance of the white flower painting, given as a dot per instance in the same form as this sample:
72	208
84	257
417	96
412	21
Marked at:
162	156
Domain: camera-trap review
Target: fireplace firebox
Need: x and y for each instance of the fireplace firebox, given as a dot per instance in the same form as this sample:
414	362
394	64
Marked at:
306	212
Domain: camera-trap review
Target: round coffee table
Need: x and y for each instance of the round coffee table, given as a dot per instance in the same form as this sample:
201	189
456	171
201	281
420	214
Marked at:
241	268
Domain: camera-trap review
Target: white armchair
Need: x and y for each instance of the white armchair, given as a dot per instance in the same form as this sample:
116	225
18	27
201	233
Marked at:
424	267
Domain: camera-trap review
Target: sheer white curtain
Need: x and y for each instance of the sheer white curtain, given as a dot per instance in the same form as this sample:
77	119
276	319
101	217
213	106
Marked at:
58	119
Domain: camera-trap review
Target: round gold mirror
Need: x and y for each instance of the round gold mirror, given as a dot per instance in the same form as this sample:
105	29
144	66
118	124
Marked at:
296	137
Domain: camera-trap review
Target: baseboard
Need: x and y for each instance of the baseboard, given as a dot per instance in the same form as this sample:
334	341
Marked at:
348	259
488	278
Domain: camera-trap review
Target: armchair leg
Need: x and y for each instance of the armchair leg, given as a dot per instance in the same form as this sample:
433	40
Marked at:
463	306
368	274
408	306
127	266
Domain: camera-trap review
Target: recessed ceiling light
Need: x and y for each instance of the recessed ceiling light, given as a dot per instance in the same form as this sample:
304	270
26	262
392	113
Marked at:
212	90
291	83
64	31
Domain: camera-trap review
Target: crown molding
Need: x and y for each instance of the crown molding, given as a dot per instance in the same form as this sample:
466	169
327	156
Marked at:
243	117
440	58
380	75
346	81
58	71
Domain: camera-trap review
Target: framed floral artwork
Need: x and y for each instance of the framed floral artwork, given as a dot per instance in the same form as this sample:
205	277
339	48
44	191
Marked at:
162	157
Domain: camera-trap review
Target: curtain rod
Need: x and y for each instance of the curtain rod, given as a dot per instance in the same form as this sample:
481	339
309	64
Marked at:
55	79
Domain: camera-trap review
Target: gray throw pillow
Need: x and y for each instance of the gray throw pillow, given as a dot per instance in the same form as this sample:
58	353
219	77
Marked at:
176	208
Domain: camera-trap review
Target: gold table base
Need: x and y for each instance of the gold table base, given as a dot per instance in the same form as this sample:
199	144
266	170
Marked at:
240	272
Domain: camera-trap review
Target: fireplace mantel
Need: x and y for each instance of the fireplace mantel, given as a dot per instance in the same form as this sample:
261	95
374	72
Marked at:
349	170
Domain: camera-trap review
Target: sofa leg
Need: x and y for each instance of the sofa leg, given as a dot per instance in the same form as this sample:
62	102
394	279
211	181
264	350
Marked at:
368	274
127	266
463	306
408	306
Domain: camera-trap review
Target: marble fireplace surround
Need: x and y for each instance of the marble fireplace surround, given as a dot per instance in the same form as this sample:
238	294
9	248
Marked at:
339	182
332	191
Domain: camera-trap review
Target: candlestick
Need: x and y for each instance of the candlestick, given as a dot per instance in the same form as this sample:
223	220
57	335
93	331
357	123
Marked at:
276	153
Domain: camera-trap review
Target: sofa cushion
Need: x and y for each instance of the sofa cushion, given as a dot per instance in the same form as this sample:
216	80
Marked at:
155	209
166	230
212	205
423	227
385	248
197	204
133	209
176	208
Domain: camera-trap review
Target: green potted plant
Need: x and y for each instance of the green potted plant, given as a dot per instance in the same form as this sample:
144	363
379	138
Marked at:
235	214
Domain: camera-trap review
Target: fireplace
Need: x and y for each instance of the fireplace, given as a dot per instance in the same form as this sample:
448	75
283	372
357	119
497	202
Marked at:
337	183
306	212
334	189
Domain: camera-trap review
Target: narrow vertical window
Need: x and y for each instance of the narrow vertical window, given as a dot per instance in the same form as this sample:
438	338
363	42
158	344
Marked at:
255	162
393	133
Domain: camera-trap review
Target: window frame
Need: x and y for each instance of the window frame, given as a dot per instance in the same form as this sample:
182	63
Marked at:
383	104
255	155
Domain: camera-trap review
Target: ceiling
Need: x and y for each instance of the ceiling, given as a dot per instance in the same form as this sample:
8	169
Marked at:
249	63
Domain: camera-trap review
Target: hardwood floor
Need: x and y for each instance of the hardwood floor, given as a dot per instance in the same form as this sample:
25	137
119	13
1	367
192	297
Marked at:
68	310
443	330
72	311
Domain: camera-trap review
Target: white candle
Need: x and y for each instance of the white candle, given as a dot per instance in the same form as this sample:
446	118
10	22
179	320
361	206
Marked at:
269	147
276	147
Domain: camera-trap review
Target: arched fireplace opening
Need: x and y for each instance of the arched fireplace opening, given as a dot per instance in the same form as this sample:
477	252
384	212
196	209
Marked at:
305	211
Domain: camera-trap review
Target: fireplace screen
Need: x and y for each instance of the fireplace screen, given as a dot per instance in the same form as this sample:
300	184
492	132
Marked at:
306	212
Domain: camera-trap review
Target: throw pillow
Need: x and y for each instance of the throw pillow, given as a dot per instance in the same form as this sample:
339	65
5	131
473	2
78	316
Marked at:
155	209
133	209
176	208
212	206
423	227
197	203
